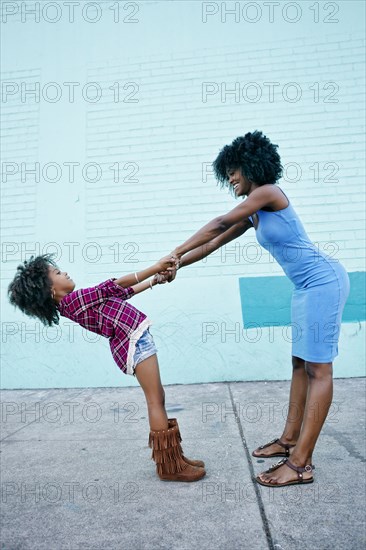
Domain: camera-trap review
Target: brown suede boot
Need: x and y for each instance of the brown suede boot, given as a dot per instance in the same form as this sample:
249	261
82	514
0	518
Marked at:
198	463
167	454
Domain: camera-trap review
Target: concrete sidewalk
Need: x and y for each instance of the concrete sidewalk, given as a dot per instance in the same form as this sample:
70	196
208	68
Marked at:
77	474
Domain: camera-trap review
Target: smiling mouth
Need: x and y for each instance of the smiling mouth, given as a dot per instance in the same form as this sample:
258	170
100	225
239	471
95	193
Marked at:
236	186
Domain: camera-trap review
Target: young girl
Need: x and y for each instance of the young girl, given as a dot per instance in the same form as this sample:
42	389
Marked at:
40	289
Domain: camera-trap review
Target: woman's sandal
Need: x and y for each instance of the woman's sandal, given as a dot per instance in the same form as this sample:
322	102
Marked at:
286	446
300	479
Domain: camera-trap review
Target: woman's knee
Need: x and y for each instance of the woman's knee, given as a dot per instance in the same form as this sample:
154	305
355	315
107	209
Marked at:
318	370
297	363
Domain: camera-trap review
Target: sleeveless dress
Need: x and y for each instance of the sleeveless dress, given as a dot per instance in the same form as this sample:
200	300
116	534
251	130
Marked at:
321	284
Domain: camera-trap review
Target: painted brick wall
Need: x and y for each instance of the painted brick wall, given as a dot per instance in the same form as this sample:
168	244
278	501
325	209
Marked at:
170	134
163	132
20	137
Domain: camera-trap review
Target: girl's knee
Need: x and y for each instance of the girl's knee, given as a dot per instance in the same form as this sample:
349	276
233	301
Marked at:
157	398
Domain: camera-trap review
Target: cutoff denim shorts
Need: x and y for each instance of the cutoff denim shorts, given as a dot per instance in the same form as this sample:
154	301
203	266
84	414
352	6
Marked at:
145	347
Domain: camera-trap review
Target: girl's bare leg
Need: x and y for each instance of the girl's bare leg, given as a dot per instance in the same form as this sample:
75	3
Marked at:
148	376
178	468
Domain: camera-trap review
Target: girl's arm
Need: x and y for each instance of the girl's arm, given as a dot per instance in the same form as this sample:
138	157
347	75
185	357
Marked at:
133	278
262	196
156	280
205	250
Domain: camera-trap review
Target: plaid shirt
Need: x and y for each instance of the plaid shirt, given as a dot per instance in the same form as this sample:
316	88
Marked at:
103	309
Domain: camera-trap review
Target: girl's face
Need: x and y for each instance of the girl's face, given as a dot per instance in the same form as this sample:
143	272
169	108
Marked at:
238	182
61	282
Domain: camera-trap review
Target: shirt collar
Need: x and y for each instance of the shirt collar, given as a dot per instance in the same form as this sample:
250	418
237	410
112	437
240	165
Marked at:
61	303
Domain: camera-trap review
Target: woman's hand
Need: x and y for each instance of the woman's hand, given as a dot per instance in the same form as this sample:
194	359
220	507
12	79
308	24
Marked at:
166	263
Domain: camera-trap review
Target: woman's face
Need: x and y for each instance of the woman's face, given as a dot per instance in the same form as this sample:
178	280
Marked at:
238	182
61	282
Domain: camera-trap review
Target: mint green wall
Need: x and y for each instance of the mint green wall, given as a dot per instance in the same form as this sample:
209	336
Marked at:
164	132
267	300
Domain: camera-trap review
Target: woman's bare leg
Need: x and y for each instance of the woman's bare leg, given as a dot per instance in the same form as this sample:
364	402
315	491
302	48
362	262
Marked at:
298	392
148	376
319	399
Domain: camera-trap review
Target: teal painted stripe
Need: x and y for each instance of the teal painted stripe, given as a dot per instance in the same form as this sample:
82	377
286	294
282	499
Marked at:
266	301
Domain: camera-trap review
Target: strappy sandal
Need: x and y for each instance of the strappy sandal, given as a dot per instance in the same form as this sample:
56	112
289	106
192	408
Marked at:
300	470
286	446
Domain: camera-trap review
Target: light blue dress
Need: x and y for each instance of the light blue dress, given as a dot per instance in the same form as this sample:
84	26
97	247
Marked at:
321	284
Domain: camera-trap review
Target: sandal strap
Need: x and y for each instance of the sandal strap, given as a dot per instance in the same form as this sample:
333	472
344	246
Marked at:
276	465
268	444
286	446
308	468
300	469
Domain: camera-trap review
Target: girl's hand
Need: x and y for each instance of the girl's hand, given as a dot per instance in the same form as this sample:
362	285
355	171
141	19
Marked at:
169	275
177	258
166	263
160	278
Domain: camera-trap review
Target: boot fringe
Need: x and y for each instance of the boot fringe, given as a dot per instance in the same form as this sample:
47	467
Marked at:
171	467
163	439
172	422
167	451
166	455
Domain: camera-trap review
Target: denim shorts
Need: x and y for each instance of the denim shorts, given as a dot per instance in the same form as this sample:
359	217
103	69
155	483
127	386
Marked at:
145	347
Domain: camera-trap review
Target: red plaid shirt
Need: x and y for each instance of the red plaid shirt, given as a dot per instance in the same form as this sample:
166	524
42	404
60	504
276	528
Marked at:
103	309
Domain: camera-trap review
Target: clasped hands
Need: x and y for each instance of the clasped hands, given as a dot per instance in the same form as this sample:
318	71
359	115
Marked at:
168	266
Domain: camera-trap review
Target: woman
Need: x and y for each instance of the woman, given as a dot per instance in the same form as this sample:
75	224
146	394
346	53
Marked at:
251	166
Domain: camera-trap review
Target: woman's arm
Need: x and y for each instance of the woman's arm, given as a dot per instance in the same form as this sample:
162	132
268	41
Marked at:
129	280
262	196
205	250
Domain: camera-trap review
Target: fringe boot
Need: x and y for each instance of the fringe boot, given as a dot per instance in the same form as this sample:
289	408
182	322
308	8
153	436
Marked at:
167	454
198	463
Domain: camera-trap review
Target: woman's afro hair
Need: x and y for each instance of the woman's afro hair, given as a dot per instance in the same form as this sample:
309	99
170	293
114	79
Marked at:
254	154
30	290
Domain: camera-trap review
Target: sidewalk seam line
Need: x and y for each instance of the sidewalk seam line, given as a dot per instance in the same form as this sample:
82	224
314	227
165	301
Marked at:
251	469
26	425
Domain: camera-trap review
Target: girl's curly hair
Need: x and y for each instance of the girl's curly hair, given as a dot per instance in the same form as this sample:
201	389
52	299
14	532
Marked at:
30	290
254	154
